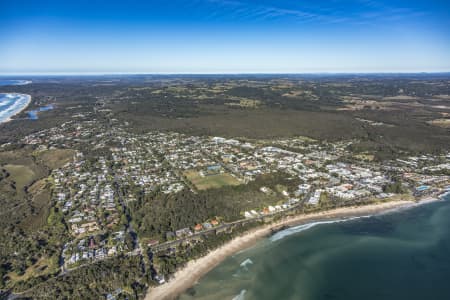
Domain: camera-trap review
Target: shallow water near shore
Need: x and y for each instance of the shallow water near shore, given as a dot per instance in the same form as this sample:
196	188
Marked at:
11	104
6	82
399	255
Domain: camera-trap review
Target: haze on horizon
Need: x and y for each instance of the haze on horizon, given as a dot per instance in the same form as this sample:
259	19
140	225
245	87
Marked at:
224	36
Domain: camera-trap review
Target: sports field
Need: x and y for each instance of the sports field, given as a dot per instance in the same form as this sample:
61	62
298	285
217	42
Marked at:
211	181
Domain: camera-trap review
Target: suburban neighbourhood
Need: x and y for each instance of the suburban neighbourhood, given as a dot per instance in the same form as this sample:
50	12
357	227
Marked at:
93	194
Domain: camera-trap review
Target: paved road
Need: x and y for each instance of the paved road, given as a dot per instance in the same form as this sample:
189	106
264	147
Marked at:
169	244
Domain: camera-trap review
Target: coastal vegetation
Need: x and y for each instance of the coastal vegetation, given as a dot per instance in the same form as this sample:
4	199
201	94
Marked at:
134	178
155	215
287	106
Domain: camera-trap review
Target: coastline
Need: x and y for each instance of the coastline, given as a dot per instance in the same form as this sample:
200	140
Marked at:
19	110
14	82
195	269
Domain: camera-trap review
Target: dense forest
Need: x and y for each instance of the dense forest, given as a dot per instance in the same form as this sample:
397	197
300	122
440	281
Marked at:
156	214
314	106
95	281
384	116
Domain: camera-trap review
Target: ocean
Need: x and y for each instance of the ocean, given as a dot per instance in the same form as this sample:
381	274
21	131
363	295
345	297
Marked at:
6	82
398	255
11	104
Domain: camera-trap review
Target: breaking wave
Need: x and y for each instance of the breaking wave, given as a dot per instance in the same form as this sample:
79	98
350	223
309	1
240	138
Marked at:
11	104
293	230
14	82
241	295
246	262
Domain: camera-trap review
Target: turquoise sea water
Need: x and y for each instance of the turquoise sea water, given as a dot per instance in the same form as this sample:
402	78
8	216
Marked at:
400	255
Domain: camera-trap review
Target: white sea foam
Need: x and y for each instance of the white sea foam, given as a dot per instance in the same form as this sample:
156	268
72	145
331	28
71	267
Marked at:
24	82
241	295
14	82
246	262
243	268
14	103
293	230
444	195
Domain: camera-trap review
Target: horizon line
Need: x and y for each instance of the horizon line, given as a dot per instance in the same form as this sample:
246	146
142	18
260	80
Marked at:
221	73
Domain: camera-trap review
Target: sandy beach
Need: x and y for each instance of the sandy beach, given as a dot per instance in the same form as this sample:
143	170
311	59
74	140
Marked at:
19	110
194	270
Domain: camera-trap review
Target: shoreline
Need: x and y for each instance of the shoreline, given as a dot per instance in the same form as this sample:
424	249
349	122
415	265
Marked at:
187	276
25	106
11	82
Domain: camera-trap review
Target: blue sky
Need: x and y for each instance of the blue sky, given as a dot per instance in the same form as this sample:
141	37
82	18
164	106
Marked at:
224	36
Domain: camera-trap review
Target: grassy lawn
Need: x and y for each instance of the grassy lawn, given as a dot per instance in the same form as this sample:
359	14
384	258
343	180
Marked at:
22	175
280	188
444	123
209	182
55	158
41	267
365	156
